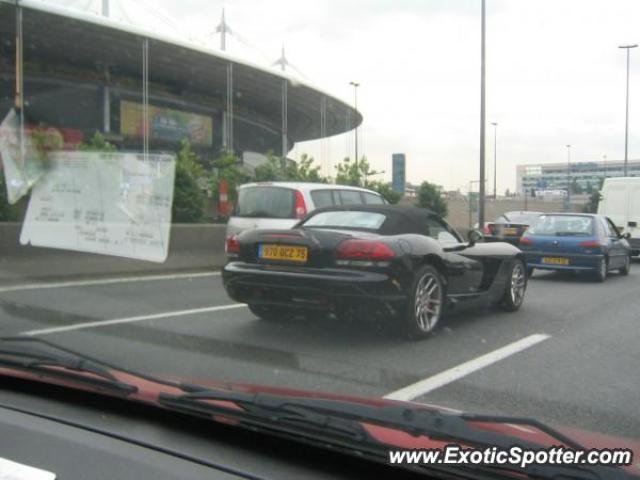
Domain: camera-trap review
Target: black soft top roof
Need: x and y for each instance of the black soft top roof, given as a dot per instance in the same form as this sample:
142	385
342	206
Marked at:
399	219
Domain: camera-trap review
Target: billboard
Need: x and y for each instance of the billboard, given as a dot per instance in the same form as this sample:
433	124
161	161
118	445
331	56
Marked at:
398	176
166	124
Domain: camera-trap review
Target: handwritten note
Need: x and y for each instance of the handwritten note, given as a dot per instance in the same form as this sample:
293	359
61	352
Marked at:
106	203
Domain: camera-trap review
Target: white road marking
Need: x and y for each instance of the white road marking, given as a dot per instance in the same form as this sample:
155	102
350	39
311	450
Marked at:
139	318
105	281
436	381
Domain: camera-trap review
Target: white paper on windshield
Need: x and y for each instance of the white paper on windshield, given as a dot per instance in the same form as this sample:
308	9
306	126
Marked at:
107	203
17	471
23	165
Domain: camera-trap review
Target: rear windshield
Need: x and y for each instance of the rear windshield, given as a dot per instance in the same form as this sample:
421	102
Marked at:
563	226
518	217
265	202
365	220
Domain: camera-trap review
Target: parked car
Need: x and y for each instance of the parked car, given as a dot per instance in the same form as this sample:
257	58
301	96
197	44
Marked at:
283	204
509	226
576	242
620	201
403	264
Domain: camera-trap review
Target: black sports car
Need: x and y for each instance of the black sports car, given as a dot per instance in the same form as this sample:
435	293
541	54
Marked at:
404	264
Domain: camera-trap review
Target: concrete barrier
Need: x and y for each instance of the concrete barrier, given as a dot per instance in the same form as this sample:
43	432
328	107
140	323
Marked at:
192	247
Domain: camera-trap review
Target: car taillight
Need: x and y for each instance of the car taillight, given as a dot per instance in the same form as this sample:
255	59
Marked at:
487	230
301	206
527	242
232	245
590	244
365	250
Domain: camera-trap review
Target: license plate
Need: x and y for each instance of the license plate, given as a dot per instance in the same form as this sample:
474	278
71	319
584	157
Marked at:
283	252
510	231
555	261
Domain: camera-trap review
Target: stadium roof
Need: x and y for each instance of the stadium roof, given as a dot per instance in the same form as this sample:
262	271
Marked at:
67	35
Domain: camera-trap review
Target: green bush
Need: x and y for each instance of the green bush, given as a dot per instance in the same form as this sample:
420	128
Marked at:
188	199
429	197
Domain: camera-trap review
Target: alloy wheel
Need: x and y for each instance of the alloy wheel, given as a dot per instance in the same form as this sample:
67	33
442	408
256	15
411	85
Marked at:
428	303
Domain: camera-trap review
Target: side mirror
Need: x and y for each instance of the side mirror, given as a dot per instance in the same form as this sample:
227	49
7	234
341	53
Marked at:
474	237
626	236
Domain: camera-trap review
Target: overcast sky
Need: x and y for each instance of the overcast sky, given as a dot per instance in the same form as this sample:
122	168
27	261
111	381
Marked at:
554	74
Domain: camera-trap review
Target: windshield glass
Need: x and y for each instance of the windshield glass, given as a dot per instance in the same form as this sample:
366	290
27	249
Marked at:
265	202
314	196
523	218
563	225
348	219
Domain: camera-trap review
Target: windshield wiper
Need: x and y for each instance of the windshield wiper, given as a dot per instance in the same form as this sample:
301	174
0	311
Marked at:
36	355
339	423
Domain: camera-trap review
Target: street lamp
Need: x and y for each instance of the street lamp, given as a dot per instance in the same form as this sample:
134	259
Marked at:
495	158
568	176
481	193
626	124
355	103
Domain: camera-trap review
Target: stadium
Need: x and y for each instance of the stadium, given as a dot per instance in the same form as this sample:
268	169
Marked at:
82	73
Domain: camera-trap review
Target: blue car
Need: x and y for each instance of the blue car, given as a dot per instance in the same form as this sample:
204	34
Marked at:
576	242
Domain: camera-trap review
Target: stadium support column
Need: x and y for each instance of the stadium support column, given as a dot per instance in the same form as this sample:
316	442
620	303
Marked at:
106	102
285	119
19	97
228	139
324	160
145	97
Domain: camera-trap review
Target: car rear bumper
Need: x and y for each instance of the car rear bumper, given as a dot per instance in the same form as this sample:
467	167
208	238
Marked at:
508	239
576	261
309	288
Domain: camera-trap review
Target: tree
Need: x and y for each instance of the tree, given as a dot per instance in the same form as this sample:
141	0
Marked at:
188	200
350	174
589	188
386	190
227	167
576	187
97	144
592	205
284	170
429	197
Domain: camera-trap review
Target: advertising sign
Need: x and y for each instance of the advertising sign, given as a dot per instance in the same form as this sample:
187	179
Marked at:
166	124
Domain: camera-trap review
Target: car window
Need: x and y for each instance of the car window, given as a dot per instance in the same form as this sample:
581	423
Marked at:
350	197
265	202
372	199
612	229
322	198
366	220
440	231
563	225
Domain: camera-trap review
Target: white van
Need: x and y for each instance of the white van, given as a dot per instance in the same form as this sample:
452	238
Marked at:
621	203
283	204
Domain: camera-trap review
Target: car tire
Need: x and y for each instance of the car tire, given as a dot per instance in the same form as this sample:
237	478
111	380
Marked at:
270	313
529	272
516	286
627	267
603	269
425	303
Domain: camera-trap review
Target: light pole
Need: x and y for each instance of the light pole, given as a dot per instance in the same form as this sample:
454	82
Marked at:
355	104
568	177
495	158
626	123
482	118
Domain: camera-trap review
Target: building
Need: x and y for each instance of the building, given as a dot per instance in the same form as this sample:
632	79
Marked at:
398	172
586	175
81	73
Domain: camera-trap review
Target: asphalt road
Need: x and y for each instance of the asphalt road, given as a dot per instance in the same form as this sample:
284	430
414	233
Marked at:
570	356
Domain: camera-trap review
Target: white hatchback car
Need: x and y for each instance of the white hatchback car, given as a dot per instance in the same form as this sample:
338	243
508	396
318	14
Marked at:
283	204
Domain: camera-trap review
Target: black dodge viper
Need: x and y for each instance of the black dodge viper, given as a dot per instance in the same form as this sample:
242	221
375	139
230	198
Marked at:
406	265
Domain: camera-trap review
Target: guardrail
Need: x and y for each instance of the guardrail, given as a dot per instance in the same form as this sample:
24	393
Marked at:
192	247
